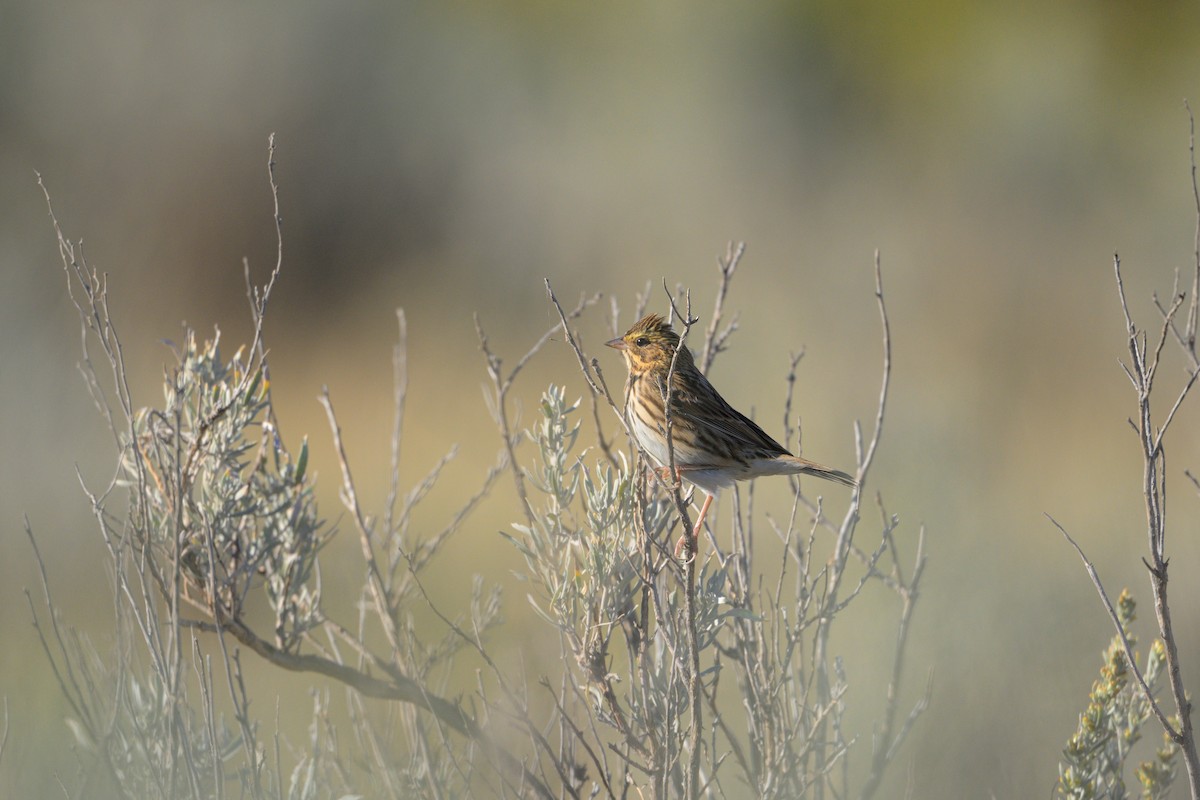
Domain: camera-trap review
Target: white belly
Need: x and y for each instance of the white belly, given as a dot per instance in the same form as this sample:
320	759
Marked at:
655	446
649	440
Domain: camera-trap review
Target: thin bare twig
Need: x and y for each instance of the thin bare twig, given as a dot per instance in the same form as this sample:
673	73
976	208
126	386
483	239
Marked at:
886	745
475	642
1194	308
868	457
596	383
837	562
714	341
1116	620
399	397
692	784
4	735
502	383
379	594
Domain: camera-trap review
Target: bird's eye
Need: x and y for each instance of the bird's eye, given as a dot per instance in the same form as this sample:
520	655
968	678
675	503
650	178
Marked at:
642	341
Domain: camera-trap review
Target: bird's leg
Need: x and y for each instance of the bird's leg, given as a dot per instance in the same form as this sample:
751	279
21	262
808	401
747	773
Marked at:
692	543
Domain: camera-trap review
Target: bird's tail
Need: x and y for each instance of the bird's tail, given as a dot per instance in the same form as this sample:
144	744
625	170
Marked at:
805	467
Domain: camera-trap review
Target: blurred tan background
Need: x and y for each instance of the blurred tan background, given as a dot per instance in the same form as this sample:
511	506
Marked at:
445	157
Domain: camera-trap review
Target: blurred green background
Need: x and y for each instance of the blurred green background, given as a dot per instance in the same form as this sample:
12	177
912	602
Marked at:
445	157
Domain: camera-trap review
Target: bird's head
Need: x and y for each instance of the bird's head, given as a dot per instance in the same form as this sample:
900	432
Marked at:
650	344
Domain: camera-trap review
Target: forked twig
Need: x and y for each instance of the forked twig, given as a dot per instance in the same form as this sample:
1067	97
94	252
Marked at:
714	340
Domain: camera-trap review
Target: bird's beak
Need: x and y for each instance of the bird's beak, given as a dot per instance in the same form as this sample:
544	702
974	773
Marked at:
617	344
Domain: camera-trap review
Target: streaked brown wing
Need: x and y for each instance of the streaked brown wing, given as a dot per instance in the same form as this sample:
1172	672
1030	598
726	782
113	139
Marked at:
721	428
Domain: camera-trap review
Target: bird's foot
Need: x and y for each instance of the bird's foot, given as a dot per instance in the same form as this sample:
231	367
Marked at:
686	546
